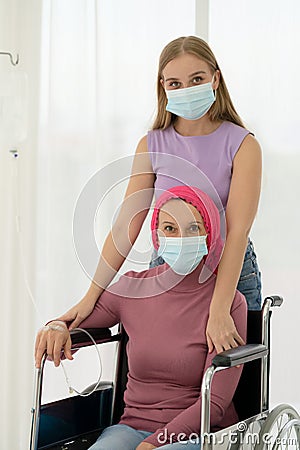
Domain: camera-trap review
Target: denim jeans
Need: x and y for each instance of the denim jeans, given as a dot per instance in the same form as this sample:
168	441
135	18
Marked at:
250	279
123	437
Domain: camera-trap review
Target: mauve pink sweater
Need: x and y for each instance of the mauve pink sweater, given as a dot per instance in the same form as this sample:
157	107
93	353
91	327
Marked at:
167	350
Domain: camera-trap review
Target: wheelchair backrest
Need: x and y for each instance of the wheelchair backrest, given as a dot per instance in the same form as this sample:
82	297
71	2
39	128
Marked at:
247	398
121	377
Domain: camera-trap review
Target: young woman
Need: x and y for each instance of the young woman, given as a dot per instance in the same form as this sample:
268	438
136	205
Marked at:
164	311
197	135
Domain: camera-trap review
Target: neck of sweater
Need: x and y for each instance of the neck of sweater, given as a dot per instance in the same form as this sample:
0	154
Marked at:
181	283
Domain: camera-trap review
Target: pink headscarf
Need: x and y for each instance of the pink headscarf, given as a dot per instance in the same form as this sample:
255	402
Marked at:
210	215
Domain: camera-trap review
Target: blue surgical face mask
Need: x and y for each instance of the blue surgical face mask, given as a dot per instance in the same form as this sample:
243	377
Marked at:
182	254
190	103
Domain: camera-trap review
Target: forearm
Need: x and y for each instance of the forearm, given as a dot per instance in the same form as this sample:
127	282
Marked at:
229	271
241	209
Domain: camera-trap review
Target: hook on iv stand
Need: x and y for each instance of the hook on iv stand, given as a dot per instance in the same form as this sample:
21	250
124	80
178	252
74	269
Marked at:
14	63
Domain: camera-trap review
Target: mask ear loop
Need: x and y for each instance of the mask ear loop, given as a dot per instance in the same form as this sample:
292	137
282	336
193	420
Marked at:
214	90
71	389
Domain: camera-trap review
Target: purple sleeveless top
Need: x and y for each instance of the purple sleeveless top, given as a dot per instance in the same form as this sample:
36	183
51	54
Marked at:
202	161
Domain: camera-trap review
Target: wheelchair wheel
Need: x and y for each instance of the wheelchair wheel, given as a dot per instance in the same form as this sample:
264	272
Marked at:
247	434
281	430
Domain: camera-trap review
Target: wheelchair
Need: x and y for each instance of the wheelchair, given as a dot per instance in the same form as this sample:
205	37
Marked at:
75	423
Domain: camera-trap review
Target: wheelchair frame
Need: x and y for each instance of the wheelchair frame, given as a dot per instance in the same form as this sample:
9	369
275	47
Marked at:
222	361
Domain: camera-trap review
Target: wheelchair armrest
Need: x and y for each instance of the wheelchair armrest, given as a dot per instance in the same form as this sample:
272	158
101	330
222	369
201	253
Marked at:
240	355
276	300
100	335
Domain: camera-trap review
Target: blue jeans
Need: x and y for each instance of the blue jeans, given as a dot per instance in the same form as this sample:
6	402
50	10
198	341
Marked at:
123	437
250	279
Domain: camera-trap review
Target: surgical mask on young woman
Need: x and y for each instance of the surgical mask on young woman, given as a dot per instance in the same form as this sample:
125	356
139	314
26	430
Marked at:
182	254
191	103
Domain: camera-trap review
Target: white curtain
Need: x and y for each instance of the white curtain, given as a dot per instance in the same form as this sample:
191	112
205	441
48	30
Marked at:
256	44
19	86
91	70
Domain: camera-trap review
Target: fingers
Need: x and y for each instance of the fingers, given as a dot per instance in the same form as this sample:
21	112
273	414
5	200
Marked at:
74	317
225	342
239	339
78	313
222	334
231	342
209	343
219	347
51	341
76	322
68	316
67	349
40	347
57	346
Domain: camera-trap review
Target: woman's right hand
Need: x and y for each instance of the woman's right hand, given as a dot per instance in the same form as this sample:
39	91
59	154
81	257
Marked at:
78	313
52	339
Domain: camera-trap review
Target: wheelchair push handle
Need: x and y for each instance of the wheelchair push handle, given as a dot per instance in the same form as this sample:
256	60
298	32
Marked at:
276	300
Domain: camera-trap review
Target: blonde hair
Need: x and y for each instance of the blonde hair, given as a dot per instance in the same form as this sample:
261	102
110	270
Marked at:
222	109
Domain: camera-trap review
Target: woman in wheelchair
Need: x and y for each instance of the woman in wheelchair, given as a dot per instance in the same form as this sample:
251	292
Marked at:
164	311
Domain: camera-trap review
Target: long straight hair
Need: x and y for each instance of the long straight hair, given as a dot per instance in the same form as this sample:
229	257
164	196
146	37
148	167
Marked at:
222	109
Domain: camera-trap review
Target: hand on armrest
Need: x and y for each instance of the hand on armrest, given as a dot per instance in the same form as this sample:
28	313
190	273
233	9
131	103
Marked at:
52	339
240	355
